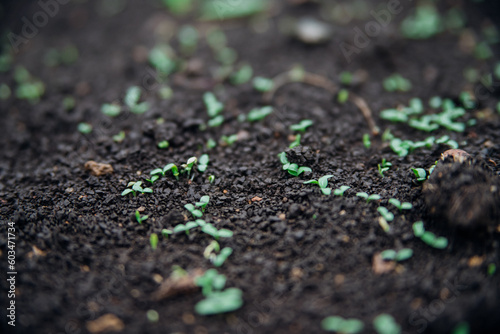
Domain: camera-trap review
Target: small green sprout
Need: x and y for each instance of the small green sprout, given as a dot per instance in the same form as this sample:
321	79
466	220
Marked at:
416	105
492	268
163	144
153	240
188	39
211	178
396	83
346	78
461	328
5	91
118	138
323	184
152	316
401	255
222	257
216	121
394	115
368	198
110	109
340	191
302	126
343	96
428	237
136	188
68	102
214	107
292	168
217	300
165	92
153	179
203	202
166	233
168	167
257	114
215	233
188	166
140	218
84	128
229	140
384	212
420	173
385	324
341	325
401	206
226	56
263	84
383	167
435	102
243	75
296	142
366	141
211	143
132	98
178	7
160	58
185	228
213	10
192	209
203	162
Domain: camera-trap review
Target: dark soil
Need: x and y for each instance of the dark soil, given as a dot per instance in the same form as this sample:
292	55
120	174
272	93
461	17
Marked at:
299	256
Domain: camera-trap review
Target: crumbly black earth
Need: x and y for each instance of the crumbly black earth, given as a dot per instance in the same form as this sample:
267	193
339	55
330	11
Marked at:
299	256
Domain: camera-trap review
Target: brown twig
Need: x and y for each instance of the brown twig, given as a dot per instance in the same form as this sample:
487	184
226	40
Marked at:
367	113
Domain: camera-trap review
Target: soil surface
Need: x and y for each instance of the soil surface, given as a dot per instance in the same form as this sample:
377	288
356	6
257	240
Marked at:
298	255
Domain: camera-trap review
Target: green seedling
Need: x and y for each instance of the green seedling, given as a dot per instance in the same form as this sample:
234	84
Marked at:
215	233
343	96
302	126
211	143
111	110
140	219
165	92
211	178
394	115
203	202
5	61
292	168
5	91
178	7
163	144
136	188
258	114
214	10
420	174
185	227
188	39
243	75
323	184
401	255
227	57
435	102
212	248
384	212
203	162
341	325
188	166
383	167
396	83
428	237
467	100
461	328
424	23
192	209
296	141
132	98
152	316
366	141
153	240
222	257
84	128
166	233
163	172
153	179
68	102
401	206
346	78
263	84
340	191
216	121
214	107
229	140
160	57
385	324
211	253
491	270
118	138
217	300
368	198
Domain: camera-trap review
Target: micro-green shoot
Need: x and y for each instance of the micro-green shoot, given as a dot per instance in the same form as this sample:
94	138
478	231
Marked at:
216	121
166	233
119	137
401	206
385	324
340	191
263	84
401	255
111	109
368	198
84	128
396	83
257	114
188	39
185	227
383	167
188	166
140	219
211	143
428	237
136	188
343	96
229	140
163	144
161	58
153	179
292	168
211	178
243	75
341	325
132	100
213	10
214	107
153	241
163	171
203	162
384	212
178	7
366	141
216	233
420	174
222	257
296	141
217	300
323	184
302	125
193	210
211	251
202	203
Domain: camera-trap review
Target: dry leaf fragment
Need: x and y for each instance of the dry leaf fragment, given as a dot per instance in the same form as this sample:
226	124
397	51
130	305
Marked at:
380	266
174	286
256	199
106	323
97	168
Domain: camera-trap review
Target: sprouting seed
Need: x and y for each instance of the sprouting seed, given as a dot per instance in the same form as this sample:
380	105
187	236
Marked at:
111	110
203	162
401	206
258	114
296	141
163	144
368	198
263	84
302	126
84	128
153	240
384	212
340	191
366	141
140	219
214	107
323	184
